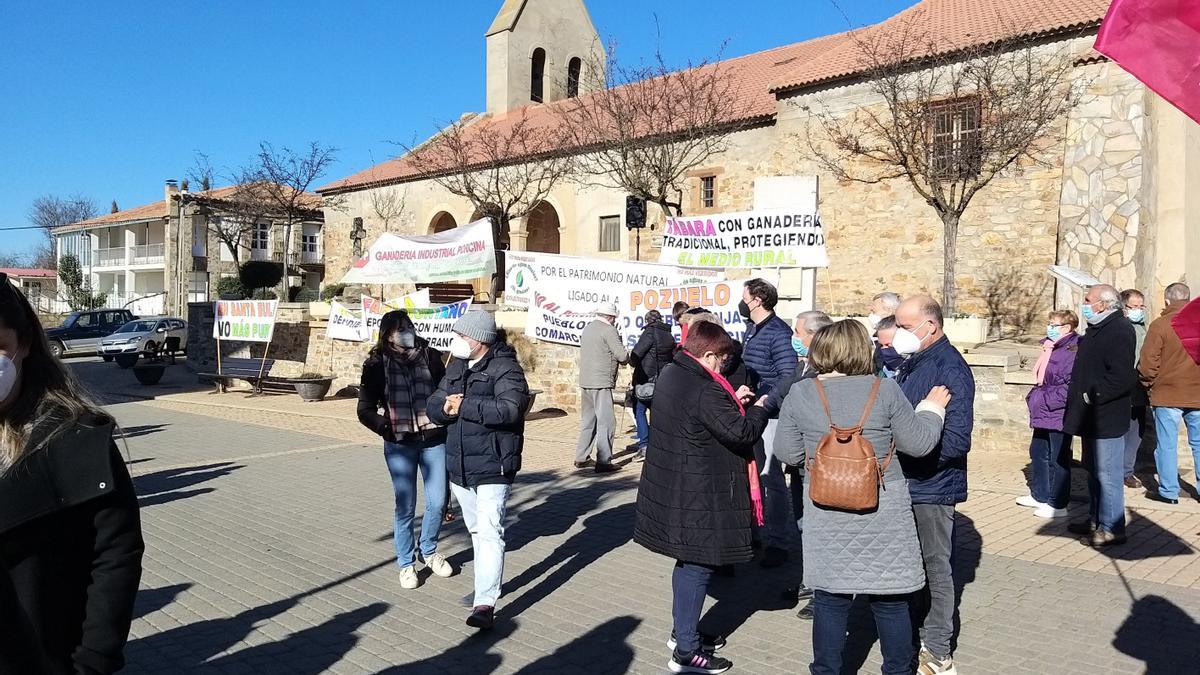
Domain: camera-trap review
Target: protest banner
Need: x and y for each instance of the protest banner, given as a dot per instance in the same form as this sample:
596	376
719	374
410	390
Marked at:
344	323
244	320
373	311
553	318
590	281
466	252
749	239
435	324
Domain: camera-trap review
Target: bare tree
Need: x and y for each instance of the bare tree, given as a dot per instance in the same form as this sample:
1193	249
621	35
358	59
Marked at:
202	173
49	212
246	205
645	127
948	119
504	166
389	204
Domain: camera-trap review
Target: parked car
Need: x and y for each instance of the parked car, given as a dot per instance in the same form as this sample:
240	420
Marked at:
81	332
142	335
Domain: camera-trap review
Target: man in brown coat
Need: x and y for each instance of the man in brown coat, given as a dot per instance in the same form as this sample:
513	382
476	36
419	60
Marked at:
1174	382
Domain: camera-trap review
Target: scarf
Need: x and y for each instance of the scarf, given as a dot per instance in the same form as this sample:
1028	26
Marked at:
752	467
1039	368
409	386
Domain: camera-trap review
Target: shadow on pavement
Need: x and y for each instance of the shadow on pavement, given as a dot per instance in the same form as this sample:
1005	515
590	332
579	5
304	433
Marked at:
603	649
602	532
189	648
473	655
1145	539
109	383
1161	634
150	600
168	485
140	430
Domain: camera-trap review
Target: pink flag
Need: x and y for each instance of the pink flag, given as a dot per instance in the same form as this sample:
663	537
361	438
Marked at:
1186	324
1158	42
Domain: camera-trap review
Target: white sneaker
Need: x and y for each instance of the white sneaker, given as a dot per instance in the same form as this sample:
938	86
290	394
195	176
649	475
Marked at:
408	578
932	665
1029	501
1047	511
438	564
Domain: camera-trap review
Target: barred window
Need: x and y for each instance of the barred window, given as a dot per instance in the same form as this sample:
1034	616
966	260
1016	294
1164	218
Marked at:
955	138
708	191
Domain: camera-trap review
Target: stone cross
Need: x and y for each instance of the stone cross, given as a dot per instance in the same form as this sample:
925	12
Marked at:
356	237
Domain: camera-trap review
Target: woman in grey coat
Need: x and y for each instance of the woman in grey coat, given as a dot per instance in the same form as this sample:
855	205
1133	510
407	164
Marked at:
873	553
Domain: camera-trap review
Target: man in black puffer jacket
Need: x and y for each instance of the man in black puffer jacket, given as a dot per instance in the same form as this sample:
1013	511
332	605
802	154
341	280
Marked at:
482	401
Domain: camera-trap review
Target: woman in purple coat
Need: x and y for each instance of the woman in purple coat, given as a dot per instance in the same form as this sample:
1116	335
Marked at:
1050	449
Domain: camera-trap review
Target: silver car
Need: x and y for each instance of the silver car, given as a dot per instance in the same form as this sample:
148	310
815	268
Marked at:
142	335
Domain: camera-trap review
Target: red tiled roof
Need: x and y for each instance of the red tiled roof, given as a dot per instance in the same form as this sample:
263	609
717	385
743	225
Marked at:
955	24
756	77
751	75
32	272
155	210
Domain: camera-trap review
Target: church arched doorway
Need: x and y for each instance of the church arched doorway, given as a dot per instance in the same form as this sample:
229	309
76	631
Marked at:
542	229
441	222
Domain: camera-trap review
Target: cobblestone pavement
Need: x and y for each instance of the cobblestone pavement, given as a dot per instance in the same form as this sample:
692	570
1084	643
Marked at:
268	525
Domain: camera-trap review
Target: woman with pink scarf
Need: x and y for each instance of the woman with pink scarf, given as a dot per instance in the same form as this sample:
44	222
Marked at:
1050	448
698	498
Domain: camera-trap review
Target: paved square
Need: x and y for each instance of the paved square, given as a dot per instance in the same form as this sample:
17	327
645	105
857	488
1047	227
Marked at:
268	525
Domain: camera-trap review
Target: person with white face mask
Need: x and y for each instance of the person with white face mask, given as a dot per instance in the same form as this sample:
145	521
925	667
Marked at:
482	401
70	536
1134	303
883	305
937	481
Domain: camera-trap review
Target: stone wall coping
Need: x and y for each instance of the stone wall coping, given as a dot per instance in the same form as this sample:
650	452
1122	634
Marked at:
992	359
1020	377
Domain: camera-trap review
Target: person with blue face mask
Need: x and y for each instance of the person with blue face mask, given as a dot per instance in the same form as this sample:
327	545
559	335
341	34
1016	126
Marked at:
1099	406
1134	302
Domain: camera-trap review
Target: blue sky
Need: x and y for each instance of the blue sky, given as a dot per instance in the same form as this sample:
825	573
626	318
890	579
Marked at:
108	100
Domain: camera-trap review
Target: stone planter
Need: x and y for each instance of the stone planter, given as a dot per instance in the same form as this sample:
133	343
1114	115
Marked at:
313	389
126	360
972	330
149	373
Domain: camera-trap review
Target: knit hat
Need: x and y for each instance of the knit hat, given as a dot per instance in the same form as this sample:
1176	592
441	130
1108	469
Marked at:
608	309
477	325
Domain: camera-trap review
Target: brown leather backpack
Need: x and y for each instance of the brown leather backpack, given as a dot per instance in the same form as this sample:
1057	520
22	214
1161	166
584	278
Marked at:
844	473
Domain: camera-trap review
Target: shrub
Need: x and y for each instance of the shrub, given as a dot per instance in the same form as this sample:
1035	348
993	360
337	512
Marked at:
258	274
264	294
231	288
332	291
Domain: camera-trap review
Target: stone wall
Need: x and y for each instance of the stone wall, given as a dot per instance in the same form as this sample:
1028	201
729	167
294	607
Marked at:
1103	209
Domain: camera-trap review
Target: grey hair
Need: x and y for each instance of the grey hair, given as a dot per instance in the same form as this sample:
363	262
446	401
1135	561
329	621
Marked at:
1109	295
813	321
890	300
1178	291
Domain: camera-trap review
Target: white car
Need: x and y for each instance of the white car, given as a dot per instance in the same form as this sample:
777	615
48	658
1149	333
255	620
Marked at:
142	335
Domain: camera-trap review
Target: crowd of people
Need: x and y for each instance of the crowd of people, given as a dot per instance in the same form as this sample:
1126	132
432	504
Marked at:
847	442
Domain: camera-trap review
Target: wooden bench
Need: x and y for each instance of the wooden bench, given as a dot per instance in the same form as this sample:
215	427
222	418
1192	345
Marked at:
446	293
246	370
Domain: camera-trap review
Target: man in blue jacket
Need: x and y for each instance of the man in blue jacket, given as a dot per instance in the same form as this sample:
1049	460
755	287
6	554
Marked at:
938	480
770	361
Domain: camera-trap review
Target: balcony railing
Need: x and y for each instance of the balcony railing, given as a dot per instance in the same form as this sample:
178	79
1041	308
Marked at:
110	257
263	254
311	257
148	254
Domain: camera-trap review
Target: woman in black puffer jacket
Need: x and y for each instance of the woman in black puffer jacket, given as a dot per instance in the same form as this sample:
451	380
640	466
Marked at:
398	378
694	501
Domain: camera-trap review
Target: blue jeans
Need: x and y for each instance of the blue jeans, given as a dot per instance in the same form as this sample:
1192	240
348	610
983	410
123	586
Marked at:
1104	459
831	613
483	511
643	423
1166	455
1050	467
403	459
689	586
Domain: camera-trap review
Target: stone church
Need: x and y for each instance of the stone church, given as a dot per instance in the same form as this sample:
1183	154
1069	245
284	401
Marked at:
1118	197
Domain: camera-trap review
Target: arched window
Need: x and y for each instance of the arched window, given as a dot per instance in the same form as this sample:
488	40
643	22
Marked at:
537	73
574	66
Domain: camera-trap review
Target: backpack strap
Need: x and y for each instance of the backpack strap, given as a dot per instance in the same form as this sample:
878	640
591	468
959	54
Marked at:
824	401
870	403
